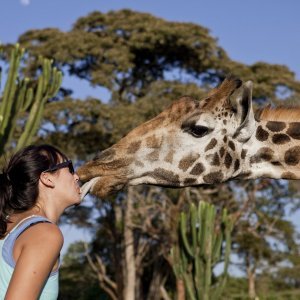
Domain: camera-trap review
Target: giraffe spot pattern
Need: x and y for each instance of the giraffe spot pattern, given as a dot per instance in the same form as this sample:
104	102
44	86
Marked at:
222	152
225	139
163	176
133	147
292	156
289	175
189	181
215	160
197	169
214	177
107	154
280	139
294	130
228	160
261	134
243	154
211	144
139	164
231	145
275	126
153	156
153	141
276	163
263	154
236	165
187	161
169	157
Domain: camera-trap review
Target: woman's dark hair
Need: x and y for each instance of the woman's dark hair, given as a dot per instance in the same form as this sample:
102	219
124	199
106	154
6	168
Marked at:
19	179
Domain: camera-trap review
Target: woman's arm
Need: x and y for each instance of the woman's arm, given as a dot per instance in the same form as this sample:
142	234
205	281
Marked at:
40	247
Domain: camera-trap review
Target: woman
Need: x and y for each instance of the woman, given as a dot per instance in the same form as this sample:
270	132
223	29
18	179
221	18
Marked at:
37	185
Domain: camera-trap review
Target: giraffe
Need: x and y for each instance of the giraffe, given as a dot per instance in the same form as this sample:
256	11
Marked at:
201	142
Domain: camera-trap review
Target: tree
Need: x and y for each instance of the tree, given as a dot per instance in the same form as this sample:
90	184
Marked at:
146	63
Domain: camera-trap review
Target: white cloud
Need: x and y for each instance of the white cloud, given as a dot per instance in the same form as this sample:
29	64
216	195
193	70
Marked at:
25	2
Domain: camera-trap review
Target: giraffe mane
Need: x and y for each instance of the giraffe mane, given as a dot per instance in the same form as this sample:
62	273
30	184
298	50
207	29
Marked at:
281	114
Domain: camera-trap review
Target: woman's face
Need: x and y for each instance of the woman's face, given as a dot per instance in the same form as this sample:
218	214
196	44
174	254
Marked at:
67	187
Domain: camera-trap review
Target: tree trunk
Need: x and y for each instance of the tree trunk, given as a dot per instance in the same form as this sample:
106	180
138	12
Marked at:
129	288
251	277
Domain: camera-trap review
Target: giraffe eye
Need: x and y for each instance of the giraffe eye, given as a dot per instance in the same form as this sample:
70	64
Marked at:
198	131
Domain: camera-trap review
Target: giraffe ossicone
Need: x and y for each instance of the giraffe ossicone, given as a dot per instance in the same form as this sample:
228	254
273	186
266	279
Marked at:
201	142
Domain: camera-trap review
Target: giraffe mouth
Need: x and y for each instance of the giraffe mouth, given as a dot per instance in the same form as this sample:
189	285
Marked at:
85	189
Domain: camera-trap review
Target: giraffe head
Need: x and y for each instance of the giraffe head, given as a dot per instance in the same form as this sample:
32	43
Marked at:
190	143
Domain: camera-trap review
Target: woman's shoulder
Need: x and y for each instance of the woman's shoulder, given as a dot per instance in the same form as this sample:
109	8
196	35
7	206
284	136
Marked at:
41	234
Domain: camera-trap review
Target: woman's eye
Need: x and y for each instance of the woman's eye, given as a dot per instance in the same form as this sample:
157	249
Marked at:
199	131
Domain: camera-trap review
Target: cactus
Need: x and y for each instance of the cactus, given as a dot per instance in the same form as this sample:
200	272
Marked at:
20	96
201	239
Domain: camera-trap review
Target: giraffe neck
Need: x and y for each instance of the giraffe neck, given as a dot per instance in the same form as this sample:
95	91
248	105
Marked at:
273	151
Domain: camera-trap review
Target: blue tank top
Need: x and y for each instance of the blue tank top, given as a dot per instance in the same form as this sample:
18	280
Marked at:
7	263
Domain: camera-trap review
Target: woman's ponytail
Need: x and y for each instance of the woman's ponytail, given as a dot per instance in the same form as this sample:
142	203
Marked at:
5	197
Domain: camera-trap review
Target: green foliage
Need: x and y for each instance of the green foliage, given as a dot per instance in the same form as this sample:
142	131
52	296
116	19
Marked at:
200	249
21	95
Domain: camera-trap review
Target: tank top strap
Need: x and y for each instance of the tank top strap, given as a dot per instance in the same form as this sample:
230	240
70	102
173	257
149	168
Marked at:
8	245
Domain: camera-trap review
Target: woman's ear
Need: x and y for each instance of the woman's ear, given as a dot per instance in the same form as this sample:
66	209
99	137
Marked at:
47	179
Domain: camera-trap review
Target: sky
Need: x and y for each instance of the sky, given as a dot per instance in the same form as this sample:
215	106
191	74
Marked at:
249	31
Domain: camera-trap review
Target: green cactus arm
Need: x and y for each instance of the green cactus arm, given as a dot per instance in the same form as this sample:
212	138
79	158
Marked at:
189	287
10	87
183	226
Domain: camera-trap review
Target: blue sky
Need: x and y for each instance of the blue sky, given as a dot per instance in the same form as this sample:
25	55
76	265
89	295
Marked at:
260	30
249	31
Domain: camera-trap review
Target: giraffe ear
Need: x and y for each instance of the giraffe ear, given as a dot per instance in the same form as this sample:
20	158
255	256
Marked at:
241	102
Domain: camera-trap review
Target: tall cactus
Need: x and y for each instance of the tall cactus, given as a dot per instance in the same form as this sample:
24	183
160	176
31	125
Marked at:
20	96
201	238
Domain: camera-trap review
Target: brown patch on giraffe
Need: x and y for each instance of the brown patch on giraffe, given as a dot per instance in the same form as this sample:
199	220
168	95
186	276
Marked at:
276	163
236	165
133	147
215	160
107	154
289	175
163	176
228	160
292	156
197	169
211	144
275	126
189	181
231	145
153	156
280	138
222	152
187	161
261	134
139	163
214	177
169	157
243	154
225	139
153	141
244	175
263	154
294	130
224	131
